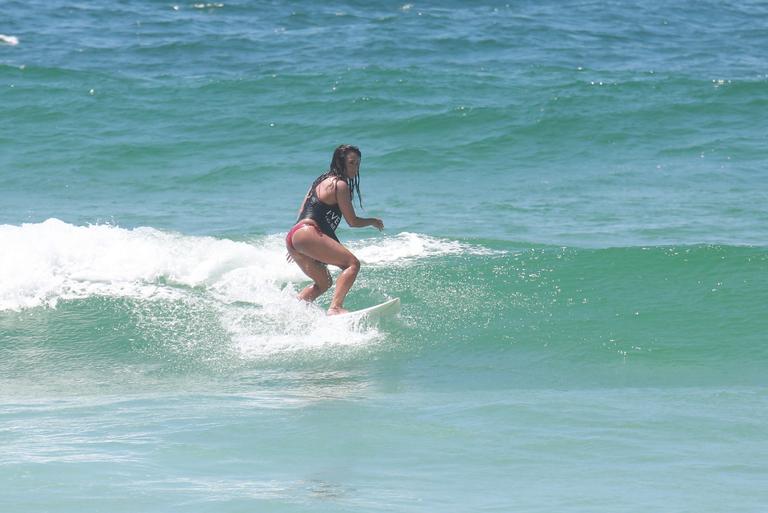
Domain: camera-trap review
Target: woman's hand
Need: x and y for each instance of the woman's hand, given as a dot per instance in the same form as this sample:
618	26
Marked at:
378	223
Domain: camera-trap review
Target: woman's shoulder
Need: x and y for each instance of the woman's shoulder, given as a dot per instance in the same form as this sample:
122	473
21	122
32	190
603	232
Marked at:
332	182
341	184
327	188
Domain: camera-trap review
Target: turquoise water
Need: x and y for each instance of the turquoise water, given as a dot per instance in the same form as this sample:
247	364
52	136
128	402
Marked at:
576	211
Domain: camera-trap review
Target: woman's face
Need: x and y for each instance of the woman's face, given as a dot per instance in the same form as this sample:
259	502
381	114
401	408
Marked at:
352	164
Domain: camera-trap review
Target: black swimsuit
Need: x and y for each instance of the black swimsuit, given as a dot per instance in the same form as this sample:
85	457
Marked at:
326	216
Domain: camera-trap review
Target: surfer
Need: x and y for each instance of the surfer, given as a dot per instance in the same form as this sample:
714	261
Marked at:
312	241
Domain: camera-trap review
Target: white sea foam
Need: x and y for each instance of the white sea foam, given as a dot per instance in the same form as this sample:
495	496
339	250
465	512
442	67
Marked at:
43	263
248	286
407	247
9	40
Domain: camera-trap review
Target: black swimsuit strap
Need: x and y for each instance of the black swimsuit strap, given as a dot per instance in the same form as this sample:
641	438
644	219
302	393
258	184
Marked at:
317	182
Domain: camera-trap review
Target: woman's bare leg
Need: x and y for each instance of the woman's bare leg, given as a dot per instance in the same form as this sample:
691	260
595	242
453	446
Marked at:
317	271
308	242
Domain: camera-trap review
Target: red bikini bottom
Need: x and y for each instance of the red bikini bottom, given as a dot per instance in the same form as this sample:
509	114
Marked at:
289	237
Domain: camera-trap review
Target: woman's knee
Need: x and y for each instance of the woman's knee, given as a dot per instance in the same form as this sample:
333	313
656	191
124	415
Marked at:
352	263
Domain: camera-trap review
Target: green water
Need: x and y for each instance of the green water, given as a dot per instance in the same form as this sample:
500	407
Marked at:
575	203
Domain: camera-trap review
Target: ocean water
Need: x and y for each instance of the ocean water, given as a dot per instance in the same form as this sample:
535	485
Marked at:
576	206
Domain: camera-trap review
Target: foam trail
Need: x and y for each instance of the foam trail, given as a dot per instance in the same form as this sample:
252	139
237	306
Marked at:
9	40
43	263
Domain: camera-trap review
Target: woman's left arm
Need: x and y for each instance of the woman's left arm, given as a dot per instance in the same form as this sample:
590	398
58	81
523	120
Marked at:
348	210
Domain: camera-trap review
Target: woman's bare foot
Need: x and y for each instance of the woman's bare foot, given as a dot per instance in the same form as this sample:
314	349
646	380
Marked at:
337	310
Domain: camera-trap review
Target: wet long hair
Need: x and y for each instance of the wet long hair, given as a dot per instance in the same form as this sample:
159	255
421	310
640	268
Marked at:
339	169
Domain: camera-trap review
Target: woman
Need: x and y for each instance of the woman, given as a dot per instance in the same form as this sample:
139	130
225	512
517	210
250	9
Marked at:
312	242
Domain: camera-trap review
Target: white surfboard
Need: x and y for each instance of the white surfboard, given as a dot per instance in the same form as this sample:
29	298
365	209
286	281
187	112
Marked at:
376	312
